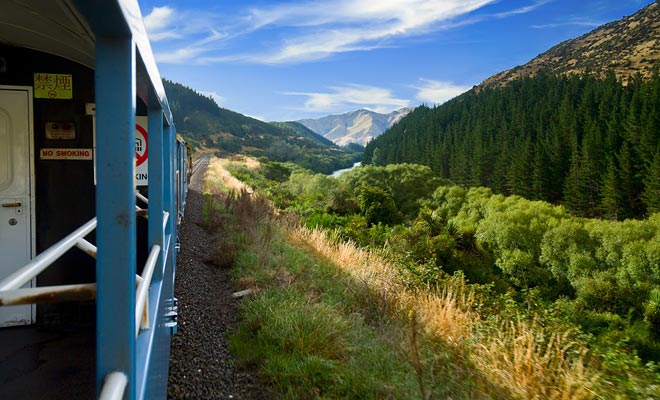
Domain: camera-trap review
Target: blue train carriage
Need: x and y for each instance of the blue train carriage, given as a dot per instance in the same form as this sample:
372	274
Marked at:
183	174
87	259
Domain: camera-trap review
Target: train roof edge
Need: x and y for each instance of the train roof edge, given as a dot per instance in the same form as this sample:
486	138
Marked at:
67	28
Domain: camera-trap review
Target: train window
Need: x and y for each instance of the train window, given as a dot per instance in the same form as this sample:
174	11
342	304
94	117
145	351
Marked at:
5	151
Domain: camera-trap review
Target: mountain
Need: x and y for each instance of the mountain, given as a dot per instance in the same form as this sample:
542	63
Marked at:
206	125
628	46
354	127
588	141
297	130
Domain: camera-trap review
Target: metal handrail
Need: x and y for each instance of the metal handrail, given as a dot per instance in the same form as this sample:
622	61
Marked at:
143	288
45	259
48	294
114	386
141	197
166	218
87	247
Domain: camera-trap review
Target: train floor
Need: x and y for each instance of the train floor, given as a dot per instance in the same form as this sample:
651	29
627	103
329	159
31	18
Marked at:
62	362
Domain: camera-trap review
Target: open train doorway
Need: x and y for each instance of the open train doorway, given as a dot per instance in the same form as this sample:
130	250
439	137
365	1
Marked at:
16	188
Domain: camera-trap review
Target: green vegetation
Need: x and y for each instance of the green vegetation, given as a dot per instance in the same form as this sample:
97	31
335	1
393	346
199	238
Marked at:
313	331
587	143
204	124
592	286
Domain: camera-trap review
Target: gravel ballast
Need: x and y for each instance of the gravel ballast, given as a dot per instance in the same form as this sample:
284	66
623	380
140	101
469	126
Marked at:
201	366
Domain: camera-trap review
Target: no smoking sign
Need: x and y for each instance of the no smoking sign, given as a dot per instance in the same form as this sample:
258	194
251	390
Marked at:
141	151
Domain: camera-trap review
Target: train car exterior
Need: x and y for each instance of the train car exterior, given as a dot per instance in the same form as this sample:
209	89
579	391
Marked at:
94	320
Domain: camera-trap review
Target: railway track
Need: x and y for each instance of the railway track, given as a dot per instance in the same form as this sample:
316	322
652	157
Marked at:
198	163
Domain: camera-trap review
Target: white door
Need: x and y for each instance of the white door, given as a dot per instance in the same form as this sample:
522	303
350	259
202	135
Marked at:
15	193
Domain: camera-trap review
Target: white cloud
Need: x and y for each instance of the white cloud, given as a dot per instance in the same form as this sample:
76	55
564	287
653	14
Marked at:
437	92
351	25
523	10
350	97
574	22
184	55
304	31
159	24
181	37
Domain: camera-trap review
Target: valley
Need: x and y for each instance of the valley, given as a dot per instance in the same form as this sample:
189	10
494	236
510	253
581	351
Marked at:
502	244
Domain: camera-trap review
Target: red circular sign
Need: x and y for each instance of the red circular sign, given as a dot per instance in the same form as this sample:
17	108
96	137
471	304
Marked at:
141	154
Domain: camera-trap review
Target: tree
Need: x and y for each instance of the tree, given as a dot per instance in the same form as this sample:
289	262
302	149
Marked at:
576	187
651	193
377	206
376	158
611	200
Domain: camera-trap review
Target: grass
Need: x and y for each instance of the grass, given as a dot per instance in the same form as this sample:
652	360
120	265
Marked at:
328	320
524	359
311	329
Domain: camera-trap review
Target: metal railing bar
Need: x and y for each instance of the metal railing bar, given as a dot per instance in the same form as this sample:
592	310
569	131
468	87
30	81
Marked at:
143	289
87	247
45	259
114	386
52	294
48	294
141	212
166	217
142	197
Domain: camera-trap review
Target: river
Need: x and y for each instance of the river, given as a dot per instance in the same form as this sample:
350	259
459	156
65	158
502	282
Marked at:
341	171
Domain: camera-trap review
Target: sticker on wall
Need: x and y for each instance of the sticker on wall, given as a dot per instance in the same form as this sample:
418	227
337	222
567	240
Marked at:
60	130
53	86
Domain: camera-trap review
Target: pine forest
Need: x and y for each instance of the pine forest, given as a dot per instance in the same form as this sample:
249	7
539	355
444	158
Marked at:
588	143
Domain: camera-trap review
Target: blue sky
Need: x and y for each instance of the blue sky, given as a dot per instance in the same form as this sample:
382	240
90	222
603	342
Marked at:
287	60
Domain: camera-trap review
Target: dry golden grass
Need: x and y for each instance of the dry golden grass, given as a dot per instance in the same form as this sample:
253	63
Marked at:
536	364
218	179
521	357
251	163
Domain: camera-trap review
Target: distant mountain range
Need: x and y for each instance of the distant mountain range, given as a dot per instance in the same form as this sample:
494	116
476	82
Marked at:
354	127
207	126
628	46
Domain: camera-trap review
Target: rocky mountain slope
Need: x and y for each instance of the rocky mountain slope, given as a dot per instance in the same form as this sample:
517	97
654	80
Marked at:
627	46
354	127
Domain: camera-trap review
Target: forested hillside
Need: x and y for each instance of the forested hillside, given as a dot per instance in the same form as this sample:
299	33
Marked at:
204	124
589	143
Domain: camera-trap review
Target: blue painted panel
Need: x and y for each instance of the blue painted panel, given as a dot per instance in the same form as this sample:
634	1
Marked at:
156	184
168	175
156	386
170	202
149	357
115	204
